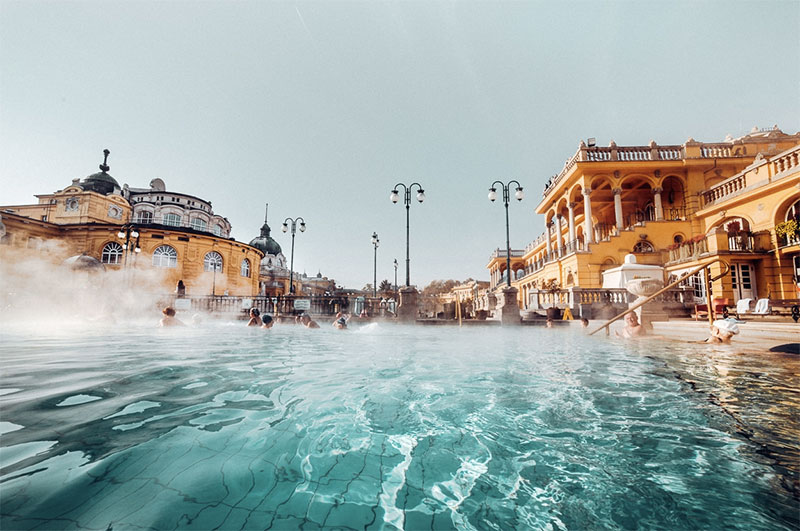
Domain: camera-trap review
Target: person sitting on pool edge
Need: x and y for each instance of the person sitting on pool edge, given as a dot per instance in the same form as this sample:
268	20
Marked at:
267	321
632	327
169	318
306	321
255	319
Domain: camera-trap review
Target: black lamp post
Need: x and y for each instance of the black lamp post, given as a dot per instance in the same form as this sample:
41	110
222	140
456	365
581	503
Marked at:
294	230
395	278
395	196
130	237
375	243
519	194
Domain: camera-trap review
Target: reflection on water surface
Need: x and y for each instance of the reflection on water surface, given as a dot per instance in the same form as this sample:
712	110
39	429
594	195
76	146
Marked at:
392	427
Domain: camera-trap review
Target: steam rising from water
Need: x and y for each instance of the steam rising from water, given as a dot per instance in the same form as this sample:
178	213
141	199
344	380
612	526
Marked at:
38	290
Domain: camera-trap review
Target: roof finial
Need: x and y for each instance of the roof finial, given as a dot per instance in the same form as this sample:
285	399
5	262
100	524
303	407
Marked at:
104	166
266	212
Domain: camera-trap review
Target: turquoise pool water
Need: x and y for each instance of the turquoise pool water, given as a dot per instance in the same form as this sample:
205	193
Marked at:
392	427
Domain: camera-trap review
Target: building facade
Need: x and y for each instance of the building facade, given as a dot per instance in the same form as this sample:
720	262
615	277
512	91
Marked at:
165	236
666	205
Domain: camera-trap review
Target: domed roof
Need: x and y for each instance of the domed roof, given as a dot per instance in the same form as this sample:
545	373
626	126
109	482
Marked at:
265	243
101	182
83	262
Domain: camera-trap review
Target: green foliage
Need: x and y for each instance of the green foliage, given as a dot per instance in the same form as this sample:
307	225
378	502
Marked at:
788	228
437	287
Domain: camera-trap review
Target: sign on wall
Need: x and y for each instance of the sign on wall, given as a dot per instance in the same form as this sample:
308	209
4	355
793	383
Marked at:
302	304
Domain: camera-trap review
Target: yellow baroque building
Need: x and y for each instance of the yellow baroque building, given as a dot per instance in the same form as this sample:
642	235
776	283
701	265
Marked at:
675	206
150	233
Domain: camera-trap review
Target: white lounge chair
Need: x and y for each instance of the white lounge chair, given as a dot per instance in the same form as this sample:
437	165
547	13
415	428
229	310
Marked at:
762	307
743	306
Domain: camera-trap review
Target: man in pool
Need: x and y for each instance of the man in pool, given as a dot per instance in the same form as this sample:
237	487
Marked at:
267	321
307	321
169	318
632	327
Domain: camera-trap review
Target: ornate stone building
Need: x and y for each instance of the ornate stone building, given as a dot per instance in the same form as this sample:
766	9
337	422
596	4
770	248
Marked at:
664	203
172	236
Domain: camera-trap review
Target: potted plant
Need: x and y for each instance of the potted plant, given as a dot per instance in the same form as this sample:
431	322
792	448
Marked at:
553	312
788	230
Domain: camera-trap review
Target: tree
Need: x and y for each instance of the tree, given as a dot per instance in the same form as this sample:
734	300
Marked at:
386	287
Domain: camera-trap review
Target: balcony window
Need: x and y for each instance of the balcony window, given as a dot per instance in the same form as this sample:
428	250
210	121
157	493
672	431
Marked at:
144	217
173	220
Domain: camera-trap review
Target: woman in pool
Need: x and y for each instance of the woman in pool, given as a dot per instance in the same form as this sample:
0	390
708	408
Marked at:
169	318
255	319
341	321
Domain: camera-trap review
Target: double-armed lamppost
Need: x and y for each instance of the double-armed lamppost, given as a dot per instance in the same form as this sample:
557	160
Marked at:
294	229
519	194
395	196
375	243
130	238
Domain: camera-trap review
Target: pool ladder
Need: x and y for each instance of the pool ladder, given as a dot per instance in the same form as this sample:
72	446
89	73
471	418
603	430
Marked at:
708	278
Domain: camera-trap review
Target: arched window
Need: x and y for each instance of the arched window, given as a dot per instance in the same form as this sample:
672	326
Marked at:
112	253
218	230
173	220
144	216
212	261
199	224
793	212
643	246
165	256
245	270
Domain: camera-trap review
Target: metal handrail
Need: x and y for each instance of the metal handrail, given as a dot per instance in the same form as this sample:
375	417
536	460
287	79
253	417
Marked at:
670	286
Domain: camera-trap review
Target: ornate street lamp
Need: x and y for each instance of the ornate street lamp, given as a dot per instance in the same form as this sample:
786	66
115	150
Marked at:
395	196
294	229
130	238
375	243
519	194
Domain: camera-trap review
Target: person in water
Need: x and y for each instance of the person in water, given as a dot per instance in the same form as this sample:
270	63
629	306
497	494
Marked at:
340	323
306	321
267	321
169	318
549	323
722	330
255	319
632	327
584	322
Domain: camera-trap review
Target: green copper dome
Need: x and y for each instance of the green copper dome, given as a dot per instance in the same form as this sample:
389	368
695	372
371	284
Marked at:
265	243
101	182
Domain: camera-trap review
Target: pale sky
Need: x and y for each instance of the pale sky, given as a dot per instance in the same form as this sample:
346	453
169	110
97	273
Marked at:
319	108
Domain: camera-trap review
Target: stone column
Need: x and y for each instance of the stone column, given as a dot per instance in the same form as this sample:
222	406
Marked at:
547	239
407	310
571	221
588	226
509	312
657	200
558	235
618	207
